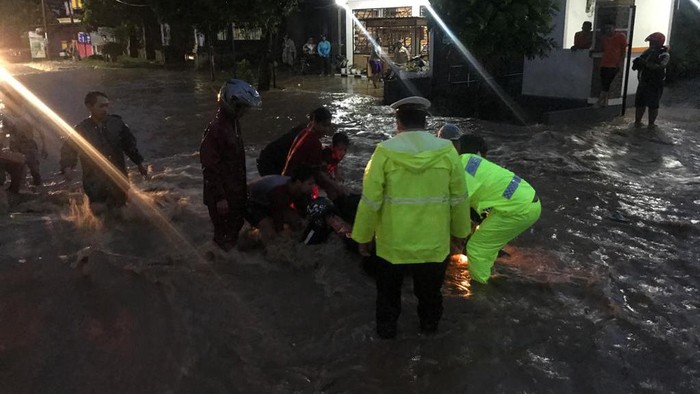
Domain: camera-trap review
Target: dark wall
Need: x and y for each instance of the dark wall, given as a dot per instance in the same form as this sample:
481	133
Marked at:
458	89
315	17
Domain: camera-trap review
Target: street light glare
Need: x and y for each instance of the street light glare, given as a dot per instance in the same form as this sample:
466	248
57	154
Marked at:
341	3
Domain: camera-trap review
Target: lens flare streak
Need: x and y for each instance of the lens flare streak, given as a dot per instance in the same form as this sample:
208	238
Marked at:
485	75
140	200
411	87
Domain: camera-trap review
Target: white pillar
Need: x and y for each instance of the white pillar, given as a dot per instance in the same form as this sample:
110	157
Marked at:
349	36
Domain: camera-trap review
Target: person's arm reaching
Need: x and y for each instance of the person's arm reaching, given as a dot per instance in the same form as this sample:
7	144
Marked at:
212	162
69	157
128	142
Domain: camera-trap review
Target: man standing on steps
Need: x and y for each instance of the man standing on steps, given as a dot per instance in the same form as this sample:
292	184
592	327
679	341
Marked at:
614	46
414	207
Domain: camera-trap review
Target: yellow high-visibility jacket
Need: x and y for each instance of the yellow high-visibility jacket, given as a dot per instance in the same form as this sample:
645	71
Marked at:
493	187
414	197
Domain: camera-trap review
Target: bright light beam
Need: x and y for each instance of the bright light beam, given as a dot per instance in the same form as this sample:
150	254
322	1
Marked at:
696	3
141	201
512	105
409	85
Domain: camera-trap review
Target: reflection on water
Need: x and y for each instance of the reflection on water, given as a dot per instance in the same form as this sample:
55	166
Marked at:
599	296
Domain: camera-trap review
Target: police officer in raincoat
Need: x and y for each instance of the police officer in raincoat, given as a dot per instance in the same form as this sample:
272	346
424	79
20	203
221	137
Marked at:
414	200
506	204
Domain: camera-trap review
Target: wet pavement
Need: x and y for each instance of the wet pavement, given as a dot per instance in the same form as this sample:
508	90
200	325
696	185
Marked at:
601	295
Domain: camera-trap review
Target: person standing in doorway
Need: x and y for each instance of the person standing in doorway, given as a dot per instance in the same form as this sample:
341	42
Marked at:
651	72
614	46
324	51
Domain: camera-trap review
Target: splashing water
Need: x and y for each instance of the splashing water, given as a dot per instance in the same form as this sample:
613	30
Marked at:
82	216
146	207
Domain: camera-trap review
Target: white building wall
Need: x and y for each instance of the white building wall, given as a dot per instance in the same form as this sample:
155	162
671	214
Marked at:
563	74
575	11
652	16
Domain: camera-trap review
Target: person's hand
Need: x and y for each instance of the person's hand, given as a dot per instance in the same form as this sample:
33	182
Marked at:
456	245
68	174
365	249
222	207
44	154
144	171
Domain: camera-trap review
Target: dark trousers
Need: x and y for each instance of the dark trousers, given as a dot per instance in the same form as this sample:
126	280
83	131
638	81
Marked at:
33	165
326	64
427	282
227	227
16	171
607	75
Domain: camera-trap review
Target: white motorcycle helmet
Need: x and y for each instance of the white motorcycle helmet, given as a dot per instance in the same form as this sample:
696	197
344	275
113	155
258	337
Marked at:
236	92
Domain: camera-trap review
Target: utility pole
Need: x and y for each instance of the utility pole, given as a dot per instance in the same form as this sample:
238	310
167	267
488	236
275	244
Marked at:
233	48
46	29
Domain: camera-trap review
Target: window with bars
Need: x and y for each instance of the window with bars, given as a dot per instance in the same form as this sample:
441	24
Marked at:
366	14
374	13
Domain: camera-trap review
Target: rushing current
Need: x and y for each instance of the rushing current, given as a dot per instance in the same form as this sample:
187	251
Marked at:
601	295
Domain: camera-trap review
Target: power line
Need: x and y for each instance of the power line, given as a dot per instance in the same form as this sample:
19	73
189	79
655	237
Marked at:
131	5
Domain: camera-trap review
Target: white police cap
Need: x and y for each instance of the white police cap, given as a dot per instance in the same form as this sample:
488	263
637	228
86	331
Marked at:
413	102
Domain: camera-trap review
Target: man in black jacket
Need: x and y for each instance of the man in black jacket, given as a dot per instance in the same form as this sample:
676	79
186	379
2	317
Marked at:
651	68
112	139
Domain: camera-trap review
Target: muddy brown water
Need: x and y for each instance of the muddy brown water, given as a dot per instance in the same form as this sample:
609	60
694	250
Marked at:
601	295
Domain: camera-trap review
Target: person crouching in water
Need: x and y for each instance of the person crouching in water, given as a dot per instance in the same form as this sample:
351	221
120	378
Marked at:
506	203
274	201
222	155
334	154
307	149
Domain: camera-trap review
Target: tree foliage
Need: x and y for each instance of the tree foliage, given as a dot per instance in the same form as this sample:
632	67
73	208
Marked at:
218	14
109	13
685	41
496	30
18	17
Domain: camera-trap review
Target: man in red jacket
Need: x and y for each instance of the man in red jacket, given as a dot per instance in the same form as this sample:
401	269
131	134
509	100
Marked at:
307	149
222	155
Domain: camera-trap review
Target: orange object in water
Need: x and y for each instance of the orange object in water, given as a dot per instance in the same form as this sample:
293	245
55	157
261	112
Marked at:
339	226
459	259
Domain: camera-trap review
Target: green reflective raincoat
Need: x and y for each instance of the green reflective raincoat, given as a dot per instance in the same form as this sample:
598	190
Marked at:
493	187
413	199
512	204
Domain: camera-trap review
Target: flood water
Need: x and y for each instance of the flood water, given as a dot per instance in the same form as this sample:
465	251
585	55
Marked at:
601	295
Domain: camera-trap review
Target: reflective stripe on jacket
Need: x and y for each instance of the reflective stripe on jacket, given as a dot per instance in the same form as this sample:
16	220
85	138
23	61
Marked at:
413	198
491	186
